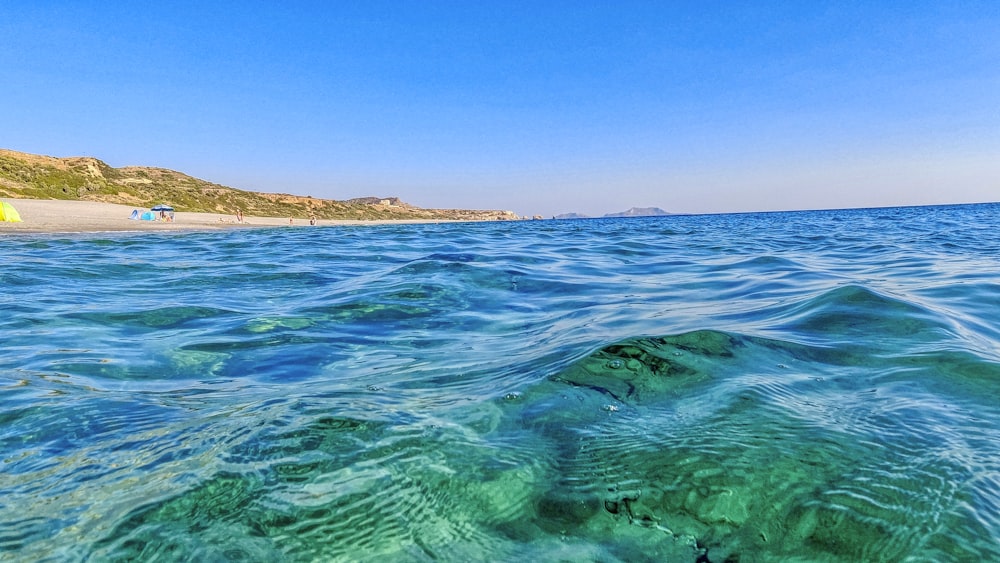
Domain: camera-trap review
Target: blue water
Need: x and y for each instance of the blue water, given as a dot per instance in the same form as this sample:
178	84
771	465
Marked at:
811	386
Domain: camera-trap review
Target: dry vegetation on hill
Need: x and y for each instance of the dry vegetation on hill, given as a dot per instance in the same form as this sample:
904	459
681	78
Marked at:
30	176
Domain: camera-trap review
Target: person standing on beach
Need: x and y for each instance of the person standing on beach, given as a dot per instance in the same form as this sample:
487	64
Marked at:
239	215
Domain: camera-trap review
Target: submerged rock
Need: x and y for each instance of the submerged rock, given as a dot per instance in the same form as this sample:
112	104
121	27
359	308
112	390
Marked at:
642	369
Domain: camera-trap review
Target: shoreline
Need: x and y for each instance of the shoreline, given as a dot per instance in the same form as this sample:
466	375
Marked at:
68	216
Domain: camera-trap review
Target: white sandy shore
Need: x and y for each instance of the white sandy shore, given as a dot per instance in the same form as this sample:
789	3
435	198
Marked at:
58	216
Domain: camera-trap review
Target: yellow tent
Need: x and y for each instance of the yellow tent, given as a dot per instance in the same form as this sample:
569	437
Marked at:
8	213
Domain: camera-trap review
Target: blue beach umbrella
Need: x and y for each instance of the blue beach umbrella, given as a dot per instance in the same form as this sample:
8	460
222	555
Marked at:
162	207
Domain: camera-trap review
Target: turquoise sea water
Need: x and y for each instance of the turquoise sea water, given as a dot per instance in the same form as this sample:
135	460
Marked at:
812	386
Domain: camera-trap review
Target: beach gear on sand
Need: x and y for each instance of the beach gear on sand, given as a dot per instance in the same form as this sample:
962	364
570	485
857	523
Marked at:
166	212
8	213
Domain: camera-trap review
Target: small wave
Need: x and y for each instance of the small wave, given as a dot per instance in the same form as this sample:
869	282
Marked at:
859	315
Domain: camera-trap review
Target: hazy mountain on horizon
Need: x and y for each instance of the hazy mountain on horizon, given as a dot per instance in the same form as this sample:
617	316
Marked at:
639	212
633	212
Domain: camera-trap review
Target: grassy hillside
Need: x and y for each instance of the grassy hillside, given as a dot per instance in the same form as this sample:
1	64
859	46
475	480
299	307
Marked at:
30	176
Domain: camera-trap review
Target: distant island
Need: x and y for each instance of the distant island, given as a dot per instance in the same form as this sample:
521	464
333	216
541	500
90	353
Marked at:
633	212
32	176
639	212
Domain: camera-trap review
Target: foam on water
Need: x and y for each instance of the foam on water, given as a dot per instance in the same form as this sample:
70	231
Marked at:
799	386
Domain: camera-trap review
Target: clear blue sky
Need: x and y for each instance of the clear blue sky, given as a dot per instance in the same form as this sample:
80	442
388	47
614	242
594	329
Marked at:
537	107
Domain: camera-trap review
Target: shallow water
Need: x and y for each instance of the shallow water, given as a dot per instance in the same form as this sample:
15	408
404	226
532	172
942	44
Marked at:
812	386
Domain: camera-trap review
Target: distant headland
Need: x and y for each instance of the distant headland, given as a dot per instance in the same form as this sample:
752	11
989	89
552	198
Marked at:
32	176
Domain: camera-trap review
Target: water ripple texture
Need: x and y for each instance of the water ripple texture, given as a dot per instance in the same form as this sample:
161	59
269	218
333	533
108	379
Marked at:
809	386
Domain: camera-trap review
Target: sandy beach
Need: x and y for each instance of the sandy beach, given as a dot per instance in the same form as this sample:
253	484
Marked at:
60	216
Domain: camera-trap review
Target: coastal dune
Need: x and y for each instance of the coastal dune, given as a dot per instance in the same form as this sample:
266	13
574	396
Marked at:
62	216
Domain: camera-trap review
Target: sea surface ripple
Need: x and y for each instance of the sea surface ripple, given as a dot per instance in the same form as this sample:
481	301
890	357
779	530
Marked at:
807	386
